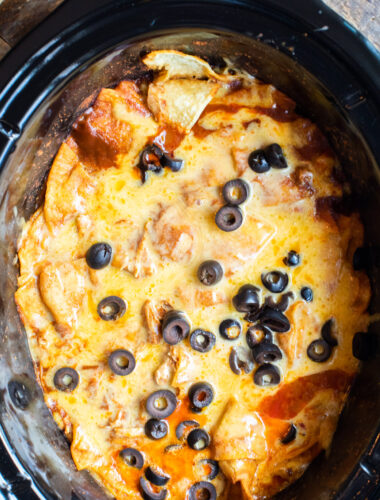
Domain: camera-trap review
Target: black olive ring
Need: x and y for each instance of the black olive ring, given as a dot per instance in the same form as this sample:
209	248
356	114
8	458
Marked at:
175	327
274	320
257	161
290	435
230	329
275	156
132	457
282	305
214	466
266	352
66	379
161	403
247	299
183	426
229	218
202	341
267	375
210	272
201	395
236	191
319	351
240	360
198	439
99	255
147	492
253	338
153	476
122	362
111	308
156	429
292	259
275	281
201	489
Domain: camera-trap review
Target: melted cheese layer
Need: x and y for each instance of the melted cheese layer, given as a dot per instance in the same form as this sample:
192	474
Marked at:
160	232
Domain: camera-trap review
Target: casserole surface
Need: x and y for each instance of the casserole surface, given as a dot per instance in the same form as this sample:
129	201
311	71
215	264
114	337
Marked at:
160	232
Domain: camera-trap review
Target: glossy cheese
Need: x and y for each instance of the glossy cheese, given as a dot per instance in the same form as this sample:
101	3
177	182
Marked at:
160	232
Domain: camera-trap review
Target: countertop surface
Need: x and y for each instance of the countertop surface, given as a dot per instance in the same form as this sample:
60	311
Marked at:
17	17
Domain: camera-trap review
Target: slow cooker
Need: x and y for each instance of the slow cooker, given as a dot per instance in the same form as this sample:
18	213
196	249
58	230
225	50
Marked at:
300	46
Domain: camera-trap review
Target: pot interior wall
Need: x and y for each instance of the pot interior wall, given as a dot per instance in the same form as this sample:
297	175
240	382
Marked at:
35	439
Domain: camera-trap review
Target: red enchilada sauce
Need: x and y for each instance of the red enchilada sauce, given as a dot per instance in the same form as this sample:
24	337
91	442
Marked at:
291	398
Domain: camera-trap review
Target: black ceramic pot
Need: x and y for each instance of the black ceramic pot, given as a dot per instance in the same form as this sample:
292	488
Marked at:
300	46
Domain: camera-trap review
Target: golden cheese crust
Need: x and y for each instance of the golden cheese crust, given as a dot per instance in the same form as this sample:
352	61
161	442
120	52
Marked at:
160	231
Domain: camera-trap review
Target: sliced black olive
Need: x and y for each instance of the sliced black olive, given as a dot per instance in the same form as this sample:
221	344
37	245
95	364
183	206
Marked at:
292	259
258	162
155	476
66	379
212	465
150	160
257	334
240	360
132	457
202	491
230	329
266	352
202	341
198	439
275	320
283	304
252	317
290	435
236	192
210	272
122	362
184	426
99	255
275	281
267	375
328	332
229	218
148	493
247	299
201	394
111	308
19	394
307	294
364	345
161	404
275	156
319	351
151	157
156	429
175	327
174	164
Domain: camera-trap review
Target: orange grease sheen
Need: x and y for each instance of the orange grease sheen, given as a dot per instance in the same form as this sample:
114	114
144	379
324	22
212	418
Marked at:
291	398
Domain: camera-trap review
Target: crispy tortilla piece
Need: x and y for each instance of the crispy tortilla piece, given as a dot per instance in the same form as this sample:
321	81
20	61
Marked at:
153	312
171	236
240	434
180	103
179	65
63	288
67	188
98	136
